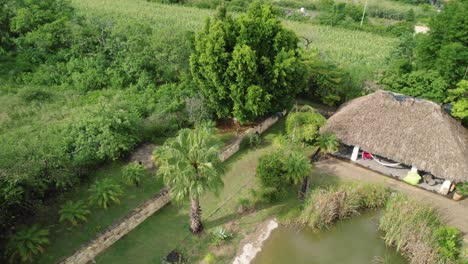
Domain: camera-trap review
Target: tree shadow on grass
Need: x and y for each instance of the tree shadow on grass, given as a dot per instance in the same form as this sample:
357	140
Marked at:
222	220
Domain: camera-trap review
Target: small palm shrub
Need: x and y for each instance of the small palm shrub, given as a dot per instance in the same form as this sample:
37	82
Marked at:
254	140
132	173
74	212
104	193
27	243
327	143
220	235
245	205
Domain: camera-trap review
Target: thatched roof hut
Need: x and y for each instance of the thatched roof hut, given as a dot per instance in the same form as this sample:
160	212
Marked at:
413	131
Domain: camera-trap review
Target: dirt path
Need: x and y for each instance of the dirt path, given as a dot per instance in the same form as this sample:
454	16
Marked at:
453	213
144	155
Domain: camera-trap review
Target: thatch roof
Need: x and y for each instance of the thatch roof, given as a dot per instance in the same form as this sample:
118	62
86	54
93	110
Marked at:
405	129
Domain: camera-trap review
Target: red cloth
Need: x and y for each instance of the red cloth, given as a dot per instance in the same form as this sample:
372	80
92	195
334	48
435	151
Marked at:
366	155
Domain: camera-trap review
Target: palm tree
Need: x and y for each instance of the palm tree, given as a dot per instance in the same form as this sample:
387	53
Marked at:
27	243
298	168
104	192
190	166
327	143
74	212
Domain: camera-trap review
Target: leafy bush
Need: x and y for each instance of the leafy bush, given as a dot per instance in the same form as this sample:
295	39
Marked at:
74	212
423	84
254	140
450	242
103	132
27	243
304	126
458	97
104	193
329	83
35	94
271	175
133	172
462	188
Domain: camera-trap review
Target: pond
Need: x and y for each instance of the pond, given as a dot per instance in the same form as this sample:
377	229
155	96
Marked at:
353	241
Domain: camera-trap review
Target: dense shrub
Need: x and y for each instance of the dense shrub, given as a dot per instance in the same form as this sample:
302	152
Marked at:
103	132
458	97
450	242
35	94
304	126
427	65
330	84
271	174
424	84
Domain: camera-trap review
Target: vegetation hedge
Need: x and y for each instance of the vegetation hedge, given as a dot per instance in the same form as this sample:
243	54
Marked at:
326	206
417	231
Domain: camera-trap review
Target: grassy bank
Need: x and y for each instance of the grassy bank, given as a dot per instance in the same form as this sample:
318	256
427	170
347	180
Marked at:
417	231
326	206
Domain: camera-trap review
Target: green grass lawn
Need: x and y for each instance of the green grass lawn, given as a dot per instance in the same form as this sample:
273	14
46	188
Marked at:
169	228
64	239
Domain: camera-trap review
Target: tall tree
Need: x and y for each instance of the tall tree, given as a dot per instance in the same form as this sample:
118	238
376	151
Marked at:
298	168
247	66
445	47
190	167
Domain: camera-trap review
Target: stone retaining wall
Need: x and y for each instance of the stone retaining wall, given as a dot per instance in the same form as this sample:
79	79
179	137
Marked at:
260	129
89	251
116	231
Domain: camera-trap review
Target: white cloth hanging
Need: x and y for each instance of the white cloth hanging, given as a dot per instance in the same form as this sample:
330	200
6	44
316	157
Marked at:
384	164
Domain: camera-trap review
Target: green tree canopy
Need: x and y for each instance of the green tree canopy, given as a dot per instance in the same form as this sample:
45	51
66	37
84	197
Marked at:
445	47
247	66
459	99
190	167
304	126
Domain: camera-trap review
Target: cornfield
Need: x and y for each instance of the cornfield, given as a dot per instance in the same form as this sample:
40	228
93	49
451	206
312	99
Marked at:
363	53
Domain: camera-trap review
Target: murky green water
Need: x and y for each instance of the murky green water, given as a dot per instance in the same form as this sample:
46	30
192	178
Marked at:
353	241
